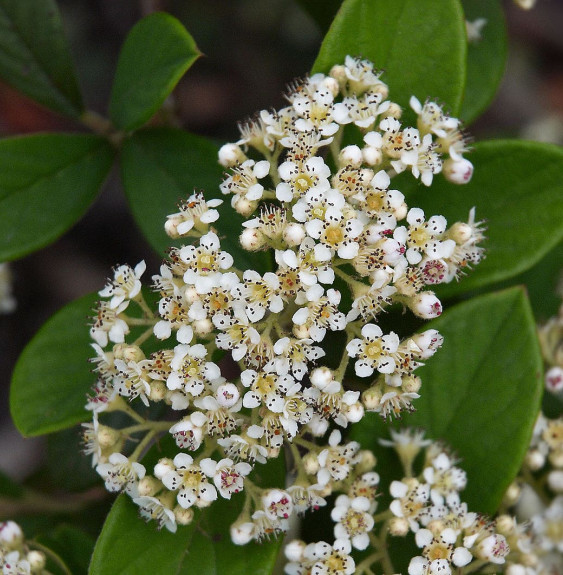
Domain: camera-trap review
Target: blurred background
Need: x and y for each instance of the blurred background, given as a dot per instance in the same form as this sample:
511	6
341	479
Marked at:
252	49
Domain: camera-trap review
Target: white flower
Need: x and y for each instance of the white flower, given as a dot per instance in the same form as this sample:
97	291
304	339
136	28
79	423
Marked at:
204	263
188	432
120	474
244	181
190	482
153	508
108	325
335	461
354	520
126	284
298	179
374	352
189	370
195	211
227	476
277	504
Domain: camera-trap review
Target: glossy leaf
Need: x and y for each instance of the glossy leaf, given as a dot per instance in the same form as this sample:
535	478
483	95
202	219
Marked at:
34	56
421	55
156	54
161	167
128	545
47	182
53	375
517	187
486	58
480	393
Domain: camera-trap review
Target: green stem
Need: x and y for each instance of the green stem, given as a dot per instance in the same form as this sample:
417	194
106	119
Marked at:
52	555
144	336
364	566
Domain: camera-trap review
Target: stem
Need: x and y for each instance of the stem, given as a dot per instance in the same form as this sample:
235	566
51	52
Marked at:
138	320
140	301
52	555
380	543
364	566
335	145
143	337
124	407
147	439
34	503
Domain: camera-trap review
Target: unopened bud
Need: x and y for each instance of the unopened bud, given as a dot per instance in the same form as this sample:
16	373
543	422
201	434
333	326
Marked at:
350	156
149	486
183	516
398	526
158	390
293	234
458	171
230	155
252	239
37	561
202	326
371	398
310	464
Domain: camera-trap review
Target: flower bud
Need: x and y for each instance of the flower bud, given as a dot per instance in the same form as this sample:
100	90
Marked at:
425	305
107	436
535	459
350	156
11	534
372	156
242	533
230	155
202	326
512	494
554	379
158	390
398	526
371	398
252	239
310	463
367	461
294	550
149	486
504	524
243	206
460	233
163	466
458	171
37	561
411	383
293	234
183	516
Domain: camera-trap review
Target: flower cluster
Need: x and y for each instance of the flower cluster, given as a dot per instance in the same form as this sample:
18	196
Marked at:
535	498
448	535
245	363
16	557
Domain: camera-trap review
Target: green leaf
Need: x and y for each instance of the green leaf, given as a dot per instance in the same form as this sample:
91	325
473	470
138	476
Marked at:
422	49
53	376
47	182
162	166
486	58
34	56
517	187
128	546
156	54
480	393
